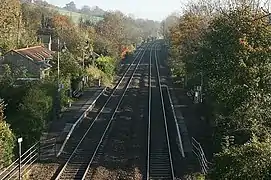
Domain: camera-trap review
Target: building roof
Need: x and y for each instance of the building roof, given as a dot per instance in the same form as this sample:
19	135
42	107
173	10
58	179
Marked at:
36	53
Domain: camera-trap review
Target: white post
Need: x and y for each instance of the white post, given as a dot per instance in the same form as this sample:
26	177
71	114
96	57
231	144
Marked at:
20	140
58	58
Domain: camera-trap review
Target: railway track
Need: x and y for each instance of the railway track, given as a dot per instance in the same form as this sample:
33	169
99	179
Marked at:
159	158
117	150
78	163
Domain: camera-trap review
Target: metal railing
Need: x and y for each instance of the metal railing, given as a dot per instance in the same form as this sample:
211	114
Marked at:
198	151
28	158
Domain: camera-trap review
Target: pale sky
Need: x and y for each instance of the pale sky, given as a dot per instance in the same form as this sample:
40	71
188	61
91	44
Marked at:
151	9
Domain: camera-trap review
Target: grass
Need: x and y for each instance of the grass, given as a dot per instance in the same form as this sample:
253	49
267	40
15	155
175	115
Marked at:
76	16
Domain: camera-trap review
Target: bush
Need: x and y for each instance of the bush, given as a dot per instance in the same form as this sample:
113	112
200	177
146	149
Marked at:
106	64
34	111
95	74
7	140
249	161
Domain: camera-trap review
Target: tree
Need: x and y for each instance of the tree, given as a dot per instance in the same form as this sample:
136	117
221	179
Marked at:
112	28
34	18
85	9
168	23
34	111
71	6
249	161
7	139
235	61
229	47
10	24
69	66
149	27
106	64
96	11
185	39
69	33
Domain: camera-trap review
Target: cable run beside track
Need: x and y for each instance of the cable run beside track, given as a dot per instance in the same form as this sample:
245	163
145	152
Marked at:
82	156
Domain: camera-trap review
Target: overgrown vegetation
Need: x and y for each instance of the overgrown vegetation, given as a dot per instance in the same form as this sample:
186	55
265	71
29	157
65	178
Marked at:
7	139
229	47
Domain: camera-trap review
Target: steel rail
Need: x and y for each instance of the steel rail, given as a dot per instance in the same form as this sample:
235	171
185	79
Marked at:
100	111
112	117
149	117
160	164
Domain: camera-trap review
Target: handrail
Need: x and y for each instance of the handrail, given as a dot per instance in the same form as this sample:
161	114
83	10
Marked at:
203	168
200	155
16	161
14	173
201	149
27	159
14	168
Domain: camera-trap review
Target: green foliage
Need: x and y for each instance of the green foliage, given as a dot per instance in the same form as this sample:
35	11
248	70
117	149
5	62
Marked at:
106	64
9	20
32	114
75	16
96	74
249	161
185	40
69	67
194	176
29	106
65	96
235	60
232	51
33	17
7	139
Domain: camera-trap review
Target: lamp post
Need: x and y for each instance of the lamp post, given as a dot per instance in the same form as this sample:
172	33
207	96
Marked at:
59	86
58	59
20	140
85	48
201	86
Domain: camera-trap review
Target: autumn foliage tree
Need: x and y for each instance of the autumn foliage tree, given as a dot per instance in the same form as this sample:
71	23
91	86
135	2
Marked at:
10	21
235	61
231	50
185	39
112	28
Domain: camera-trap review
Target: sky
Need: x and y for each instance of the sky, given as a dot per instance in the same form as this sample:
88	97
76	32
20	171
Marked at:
146	9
